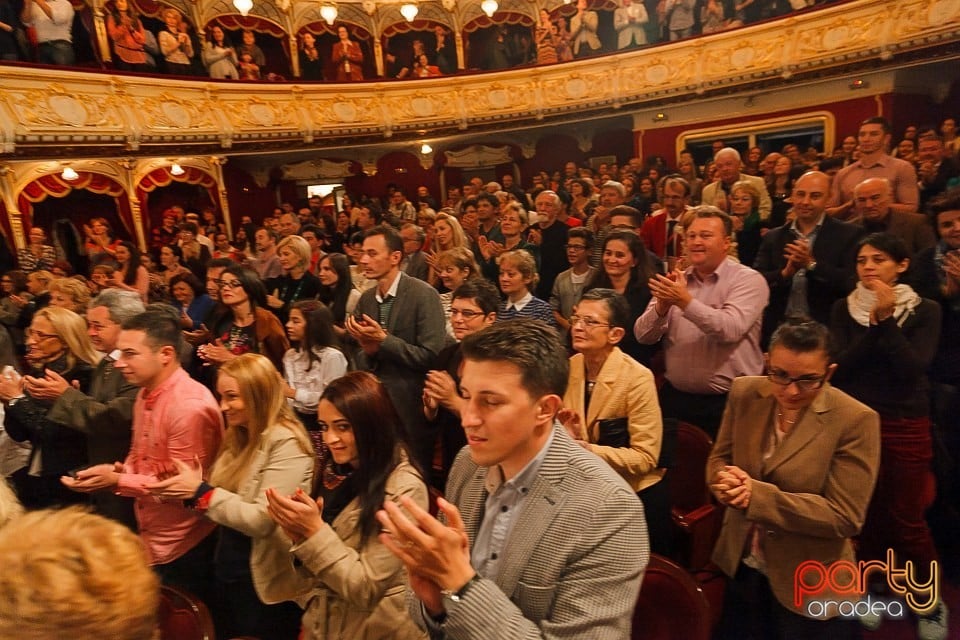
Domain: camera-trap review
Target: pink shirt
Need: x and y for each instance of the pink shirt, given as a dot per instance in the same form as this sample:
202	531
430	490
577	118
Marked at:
178	420
717	337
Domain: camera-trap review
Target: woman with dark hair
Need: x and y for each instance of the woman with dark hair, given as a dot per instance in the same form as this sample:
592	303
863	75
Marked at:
126	32
336	288
311	64
99	240
358	585
249	327
886	337
191	295
626	267
581	192
130	274
13	289
264	448
313	362
219	55
779	186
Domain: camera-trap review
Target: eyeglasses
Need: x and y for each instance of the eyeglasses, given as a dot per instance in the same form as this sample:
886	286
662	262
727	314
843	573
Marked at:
36	335
588	323
466	314
575	247
804	383
228	284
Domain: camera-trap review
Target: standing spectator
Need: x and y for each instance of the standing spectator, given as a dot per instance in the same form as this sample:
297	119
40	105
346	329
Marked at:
219	56
13	289
678	18
249	47
336	289
937	172
296	282
401	209
583	31
568	285
347	56
550	237
52	21
546	39
311	64
128	36
37	254
174	418
99	242
266	263
518	279
130	274
729	172
166	234
175	43
9	48
630	20
444	54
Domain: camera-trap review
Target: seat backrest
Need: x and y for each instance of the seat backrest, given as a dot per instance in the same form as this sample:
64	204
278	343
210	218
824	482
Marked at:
183	616
671	605
688	475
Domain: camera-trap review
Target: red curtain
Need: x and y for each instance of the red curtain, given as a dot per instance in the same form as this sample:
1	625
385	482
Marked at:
416	25
162	177
233	22
54	185
502	17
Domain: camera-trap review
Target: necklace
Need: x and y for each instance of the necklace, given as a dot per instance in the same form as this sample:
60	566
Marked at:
784	420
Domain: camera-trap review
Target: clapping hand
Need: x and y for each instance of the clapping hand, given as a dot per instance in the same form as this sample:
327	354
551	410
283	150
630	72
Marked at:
183	484
732	486
298	515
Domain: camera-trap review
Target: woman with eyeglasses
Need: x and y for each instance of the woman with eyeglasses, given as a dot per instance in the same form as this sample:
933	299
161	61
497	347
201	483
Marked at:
886	337
264	448
454	267
358	586
249	328
795	463
56	340
611	405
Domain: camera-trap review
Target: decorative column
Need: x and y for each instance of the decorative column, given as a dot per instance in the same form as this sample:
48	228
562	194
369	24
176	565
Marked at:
216	163
378	56
294	56
461	55
7	177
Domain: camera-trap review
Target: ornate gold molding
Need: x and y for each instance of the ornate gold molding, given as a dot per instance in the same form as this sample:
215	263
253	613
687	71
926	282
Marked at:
118	114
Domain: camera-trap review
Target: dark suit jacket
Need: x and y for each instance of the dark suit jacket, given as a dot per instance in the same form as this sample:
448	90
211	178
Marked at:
417	266
574	560
416	332
810	497
835	276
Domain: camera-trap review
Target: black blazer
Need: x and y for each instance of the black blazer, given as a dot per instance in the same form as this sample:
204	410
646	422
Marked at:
835	251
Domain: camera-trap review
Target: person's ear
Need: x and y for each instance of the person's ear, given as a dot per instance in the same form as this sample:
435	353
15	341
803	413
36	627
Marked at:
830	370
547	408
616	335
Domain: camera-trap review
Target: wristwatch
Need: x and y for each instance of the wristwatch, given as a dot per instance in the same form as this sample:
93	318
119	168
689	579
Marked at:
812	265
458	595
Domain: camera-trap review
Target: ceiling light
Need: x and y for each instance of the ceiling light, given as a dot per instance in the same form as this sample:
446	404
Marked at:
329	13
660	117
859	83
176	170
426	149
409	11
243	6
489	7
69	174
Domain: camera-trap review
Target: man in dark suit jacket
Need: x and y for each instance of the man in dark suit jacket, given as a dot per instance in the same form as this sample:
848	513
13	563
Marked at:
105	416
414	262
540	537
810	262
401	327
871	200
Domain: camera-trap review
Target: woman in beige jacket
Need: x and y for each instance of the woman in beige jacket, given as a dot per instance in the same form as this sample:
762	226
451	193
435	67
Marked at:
264	446
358	585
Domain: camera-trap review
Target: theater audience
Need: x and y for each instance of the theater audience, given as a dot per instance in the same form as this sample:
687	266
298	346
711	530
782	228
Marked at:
518	278
37	254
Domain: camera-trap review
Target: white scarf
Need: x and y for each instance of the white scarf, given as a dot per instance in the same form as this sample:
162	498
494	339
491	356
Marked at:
862	300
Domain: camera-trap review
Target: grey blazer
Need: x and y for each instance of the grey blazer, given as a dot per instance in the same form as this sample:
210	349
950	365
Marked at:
416	266
575	559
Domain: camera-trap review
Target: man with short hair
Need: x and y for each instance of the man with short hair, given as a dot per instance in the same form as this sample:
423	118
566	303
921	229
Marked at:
266	263
105	415
809	262
401	209
568	285
414	262
872	199
709	318
659	231
400	327
937	171
873	138
527	510
550	235
174	418
289	225
316	238
717	193
368	216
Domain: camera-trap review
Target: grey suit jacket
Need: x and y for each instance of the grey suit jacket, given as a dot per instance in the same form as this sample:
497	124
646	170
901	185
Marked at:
575	559
416	332
416	266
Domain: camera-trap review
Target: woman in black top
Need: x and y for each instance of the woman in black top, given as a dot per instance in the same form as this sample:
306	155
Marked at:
296	283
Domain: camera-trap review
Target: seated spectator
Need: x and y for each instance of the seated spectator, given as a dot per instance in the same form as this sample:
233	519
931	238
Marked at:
175	43
357	586
248	69
219	56
70	294
128	36
423	69
73	574
518	278
101	277
264	448
37	254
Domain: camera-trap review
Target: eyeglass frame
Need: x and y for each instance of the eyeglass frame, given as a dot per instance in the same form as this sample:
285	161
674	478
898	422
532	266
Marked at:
588	323
803	383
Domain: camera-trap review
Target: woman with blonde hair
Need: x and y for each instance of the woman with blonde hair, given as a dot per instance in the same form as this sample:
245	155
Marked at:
518	279
264	447
296	283
745	213
56	341
447	234
69	293
454	267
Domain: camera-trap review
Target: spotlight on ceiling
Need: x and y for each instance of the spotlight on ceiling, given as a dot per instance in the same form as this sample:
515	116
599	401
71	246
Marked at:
426	149
329	13
409	11
243	6
176	170
489	7
69	174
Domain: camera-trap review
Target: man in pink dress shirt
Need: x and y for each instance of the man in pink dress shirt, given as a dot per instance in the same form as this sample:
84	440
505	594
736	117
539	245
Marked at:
174	418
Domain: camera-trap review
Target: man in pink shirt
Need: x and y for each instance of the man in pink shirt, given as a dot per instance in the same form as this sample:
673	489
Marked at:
174	418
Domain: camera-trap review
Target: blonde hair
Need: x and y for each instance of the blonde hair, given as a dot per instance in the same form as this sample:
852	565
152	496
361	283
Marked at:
262	394
10	507
72	288
459	238
72	331
750	190
43	275
517	208
74	574
461	258
525	263
299	247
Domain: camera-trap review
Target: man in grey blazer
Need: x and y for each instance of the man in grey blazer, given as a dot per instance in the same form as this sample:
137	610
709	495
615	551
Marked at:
538	537
414	262
400	327
717	193
106	415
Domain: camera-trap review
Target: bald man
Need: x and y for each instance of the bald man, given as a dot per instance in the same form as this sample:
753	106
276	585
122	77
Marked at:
871	201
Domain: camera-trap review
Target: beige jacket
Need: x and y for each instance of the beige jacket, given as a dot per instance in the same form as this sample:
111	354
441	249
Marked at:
280	463
358	592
